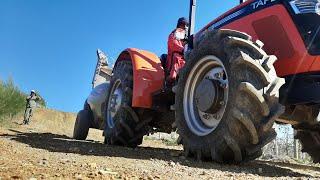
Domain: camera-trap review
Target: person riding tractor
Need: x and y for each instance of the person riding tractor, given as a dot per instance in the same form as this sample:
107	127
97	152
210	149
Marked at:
31	104
176	43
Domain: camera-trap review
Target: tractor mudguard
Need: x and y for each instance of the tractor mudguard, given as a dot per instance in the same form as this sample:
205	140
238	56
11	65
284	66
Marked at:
148	75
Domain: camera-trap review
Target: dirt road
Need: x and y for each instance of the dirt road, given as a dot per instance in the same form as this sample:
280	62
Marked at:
44	150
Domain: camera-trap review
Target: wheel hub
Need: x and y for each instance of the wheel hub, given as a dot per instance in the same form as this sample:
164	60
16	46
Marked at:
116	100
208	96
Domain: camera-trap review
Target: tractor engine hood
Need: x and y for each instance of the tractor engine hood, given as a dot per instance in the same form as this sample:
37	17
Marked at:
305	14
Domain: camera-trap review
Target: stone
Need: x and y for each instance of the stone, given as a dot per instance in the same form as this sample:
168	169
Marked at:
106	171
78	176
92	165
172	163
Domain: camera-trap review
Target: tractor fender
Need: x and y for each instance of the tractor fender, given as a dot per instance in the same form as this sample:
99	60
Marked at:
148	75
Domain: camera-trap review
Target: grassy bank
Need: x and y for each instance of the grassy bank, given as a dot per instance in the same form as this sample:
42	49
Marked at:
12	99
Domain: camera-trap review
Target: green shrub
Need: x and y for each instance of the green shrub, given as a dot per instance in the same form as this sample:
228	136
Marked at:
12	100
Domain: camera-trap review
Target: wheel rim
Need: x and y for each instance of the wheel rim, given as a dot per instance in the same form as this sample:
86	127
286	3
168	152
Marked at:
204	114
114	103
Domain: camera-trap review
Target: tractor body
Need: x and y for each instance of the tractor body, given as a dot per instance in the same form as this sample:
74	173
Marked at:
231	90
287	33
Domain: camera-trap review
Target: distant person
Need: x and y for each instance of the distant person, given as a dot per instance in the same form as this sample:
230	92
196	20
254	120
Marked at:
31	104
176	42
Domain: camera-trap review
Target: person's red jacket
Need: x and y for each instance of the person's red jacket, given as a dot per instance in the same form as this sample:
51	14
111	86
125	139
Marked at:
175	60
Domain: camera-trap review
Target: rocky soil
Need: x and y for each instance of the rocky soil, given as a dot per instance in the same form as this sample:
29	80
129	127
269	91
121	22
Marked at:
44	150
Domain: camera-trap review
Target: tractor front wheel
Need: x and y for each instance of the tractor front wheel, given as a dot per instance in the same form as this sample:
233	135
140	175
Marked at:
123	126
227	98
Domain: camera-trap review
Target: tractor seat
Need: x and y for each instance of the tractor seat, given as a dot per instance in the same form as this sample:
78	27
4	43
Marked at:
163	59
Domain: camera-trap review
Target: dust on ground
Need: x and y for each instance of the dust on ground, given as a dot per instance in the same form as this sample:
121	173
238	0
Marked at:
45	150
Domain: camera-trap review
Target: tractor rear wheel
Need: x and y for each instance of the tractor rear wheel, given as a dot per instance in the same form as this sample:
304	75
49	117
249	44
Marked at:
310	141
309	133
82	124
123	126
227	98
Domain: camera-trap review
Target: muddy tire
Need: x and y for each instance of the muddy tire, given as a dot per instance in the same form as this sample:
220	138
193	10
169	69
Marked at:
310	141
249	106
123	126
82	125
309	133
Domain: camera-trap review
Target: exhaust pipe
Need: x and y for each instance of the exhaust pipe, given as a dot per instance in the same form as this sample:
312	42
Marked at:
192	21
192	16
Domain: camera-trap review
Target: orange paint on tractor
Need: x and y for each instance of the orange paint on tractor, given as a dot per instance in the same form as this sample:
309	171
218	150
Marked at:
148	75
275	28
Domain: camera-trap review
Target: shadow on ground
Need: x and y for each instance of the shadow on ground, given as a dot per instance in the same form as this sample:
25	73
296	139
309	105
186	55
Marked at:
64	144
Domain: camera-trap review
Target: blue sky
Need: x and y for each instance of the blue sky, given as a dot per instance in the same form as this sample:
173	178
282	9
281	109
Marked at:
50	45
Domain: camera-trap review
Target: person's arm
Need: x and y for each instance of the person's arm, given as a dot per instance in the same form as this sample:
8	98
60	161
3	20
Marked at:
34	97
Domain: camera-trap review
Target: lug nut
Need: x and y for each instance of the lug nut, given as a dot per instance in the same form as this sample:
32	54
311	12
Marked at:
218	75
224	85
206	116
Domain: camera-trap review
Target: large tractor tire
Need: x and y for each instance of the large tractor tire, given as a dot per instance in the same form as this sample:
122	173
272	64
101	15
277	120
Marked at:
227	98
309	133
123	126
82	125
310	141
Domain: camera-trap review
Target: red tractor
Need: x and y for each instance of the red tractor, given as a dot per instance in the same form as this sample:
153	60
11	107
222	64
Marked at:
228	95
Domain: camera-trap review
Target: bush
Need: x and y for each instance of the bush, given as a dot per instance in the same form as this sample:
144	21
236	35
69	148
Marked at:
12	100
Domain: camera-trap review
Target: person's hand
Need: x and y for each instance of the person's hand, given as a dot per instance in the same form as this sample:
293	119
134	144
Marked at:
185	41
